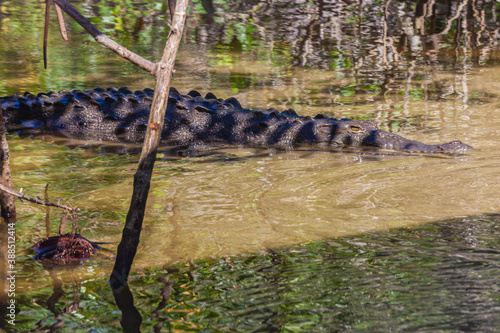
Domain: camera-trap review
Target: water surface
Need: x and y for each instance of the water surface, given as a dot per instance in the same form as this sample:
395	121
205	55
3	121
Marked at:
269	221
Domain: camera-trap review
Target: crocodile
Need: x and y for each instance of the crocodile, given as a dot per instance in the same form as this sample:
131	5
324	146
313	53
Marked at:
120	115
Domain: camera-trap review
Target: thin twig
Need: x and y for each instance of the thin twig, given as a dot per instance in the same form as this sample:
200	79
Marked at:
47	210
86	224
60	19
46	32
37	201
63	224
74	223
105	40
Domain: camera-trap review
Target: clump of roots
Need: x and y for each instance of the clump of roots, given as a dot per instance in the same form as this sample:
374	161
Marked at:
69	248
64	248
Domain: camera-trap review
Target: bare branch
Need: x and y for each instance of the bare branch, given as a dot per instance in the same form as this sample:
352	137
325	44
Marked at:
37	201
104	40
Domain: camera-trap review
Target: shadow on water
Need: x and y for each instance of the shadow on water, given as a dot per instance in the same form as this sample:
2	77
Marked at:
440	276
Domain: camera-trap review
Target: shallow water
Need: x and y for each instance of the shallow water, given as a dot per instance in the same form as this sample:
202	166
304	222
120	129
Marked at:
218	213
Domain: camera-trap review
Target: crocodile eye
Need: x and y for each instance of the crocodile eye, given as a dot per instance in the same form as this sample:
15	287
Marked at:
355	128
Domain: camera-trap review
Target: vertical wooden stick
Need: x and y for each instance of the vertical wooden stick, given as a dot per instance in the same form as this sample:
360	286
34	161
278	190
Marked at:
142	178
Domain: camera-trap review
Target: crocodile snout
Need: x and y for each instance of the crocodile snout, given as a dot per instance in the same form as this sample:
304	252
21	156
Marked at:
387	140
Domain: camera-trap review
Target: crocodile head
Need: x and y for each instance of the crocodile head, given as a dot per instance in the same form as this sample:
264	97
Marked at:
367	134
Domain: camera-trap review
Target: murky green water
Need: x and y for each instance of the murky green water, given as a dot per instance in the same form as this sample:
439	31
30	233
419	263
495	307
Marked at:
259	240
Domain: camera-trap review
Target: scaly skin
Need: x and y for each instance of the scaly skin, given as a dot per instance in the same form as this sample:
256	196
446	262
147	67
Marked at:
119	115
